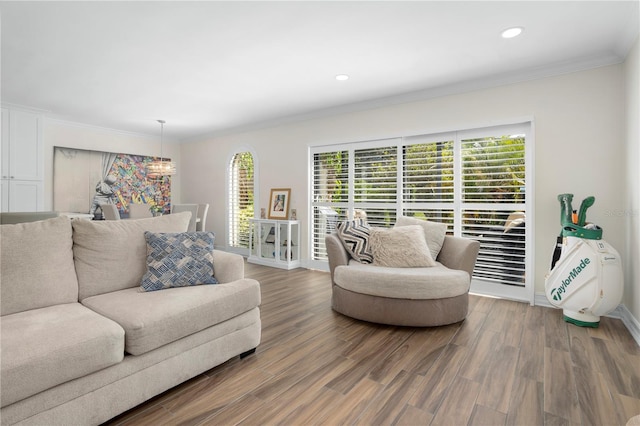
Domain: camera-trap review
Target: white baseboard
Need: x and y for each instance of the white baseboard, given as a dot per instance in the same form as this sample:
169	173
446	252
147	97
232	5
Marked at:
540	299
621	313
629	321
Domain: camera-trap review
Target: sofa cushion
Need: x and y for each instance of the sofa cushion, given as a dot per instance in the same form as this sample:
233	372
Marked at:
152	319
434	232
402	283
42	348
178	260
37	265
354	235
401	247
111	255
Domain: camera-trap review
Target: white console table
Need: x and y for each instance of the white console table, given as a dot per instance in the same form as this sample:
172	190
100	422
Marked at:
275	243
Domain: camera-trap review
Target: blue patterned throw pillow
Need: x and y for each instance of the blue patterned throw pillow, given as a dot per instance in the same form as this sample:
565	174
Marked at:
354	235
178	260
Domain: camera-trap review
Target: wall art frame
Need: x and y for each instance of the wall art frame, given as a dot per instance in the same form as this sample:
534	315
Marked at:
82	179
279	203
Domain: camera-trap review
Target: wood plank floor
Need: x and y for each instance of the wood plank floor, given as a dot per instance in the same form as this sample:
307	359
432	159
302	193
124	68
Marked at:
507	364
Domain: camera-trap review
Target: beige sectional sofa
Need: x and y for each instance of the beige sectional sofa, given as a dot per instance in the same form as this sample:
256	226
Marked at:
81	343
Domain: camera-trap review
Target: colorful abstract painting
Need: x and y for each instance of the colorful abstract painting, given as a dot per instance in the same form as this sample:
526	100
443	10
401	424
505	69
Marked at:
85	179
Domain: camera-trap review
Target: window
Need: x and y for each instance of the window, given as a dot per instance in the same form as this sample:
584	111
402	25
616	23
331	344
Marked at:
241	201
428	176
474	181
493	205
376	183
330	196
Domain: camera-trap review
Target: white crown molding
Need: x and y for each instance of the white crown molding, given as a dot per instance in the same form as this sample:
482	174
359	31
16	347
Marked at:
106	129
24	108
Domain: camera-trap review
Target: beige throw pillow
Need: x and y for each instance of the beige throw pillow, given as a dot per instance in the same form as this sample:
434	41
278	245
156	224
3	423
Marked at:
434	232
400	247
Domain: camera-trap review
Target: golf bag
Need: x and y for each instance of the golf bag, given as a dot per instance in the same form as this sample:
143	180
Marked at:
585	280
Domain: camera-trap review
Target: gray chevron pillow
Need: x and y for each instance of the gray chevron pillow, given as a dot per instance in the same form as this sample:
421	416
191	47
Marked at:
178	260
354	235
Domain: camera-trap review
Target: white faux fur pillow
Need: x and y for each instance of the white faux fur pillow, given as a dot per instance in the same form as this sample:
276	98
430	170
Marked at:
400	247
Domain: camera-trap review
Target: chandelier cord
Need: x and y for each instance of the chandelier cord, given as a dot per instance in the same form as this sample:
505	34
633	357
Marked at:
161	138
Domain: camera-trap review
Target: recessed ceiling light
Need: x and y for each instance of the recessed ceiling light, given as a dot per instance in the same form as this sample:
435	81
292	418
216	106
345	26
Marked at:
342	77
512	32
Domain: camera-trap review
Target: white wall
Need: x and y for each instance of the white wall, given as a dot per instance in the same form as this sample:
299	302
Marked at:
631	214
579	148
81	136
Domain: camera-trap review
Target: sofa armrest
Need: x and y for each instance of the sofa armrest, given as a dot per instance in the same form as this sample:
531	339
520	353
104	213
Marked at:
228	267
336	252
459	253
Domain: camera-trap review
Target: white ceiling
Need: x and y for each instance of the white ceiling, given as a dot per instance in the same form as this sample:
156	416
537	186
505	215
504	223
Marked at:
211	67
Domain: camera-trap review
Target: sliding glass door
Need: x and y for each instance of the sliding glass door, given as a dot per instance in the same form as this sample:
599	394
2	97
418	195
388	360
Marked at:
475	181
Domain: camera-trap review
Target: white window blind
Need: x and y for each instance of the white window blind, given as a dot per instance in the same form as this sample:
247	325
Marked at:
502	244
330	194
474	181
493	169
428	178
428	173
376	184
494	208
240	196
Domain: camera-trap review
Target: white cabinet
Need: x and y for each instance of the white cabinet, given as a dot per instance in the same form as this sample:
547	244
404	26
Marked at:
22	160
25	195
275	243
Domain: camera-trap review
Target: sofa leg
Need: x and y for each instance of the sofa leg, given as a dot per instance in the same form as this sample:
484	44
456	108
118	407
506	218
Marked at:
247	353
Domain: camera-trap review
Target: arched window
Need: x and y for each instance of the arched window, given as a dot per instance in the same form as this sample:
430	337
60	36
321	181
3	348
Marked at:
241	200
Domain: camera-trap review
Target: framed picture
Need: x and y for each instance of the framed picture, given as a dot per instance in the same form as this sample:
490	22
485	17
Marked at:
279	203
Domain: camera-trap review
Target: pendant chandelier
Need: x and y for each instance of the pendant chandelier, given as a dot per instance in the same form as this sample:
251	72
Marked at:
161	167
